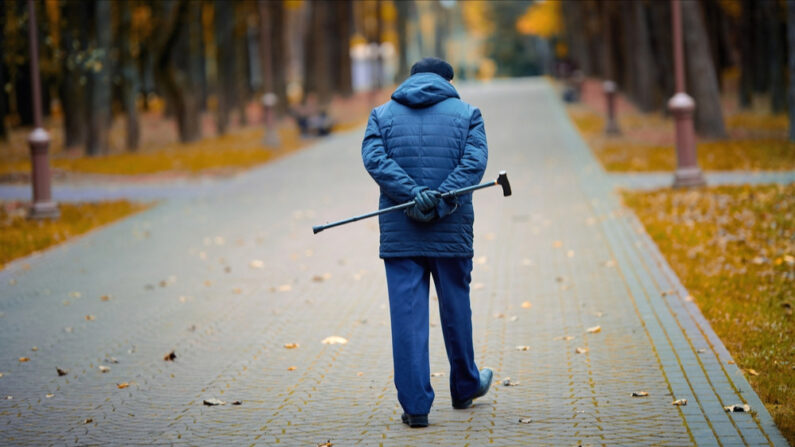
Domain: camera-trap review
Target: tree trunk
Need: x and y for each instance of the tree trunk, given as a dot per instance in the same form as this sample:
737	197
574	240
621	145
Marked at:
778	103
318	53
642	55
573	12
3	100
279	54
342	53
746	53
99	94
72	89
662	48
791	62
129	72
703	82
403	17
225	63
240	49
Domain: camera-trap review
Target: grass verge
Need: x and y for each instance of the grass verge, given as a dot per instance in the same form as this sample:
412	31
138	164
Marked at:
733	249
20	237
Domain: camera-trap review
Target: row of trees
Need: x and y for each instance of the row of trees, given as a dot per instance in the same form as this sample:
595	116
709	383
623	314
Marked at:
631	43
100	58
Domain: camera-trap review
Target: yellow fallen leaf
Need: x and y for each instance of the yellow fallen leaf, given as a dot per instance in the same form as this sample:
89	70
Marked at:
639	394
291	345
23	359
565	338
679	402
437	374
334	340
557	244
752	372
581	350
359	374
499	315
90	317
49	395
527	305
285	288
523	348
34	349
105	298
122	385
594	330
75	294
103	369
292	368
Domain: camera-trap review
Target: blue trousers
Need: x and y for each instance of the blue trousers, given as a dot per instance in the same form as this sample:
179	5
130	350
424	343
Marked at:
408	282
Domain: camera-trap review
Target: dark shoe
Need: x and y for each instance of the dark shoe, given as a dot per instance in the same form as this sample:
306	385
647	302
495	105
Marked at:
415	420
486	375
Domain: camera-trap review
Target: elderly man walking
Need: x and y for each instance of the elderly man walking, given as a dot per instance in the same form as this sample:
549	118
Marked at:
422	143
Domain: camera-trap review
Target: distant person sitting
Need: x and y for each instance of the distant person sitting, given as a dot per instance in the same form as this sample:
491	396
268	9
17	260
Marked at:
311	119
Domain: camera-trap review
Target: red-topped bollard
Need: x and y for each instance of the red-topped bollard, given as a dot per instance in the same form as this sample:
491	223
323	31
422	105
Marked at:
688	174
43	207
272	139
611	127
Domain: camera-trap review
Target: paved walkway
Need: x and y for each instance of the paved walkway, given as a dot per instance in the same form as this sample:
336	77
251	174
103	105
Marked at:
228	277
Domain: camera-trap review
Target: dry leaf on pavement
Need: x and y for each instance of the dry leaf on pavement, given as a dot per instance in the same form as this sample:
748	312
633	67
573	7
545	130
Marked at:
88	421
49	395
237	402
213	402
292	368
122	385
639	394
285	288
525	420
257	264
737	408
61	372
291	345
23	359
523	348
680	402
565	338
594	330
326	444
90	318
508	382
437	374
752	372
334	340
170	356
103	369
581	350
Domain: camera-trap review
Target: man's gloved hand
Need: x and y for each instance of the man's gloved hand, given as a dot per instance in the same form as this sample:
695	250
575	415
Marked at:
424	209
426	200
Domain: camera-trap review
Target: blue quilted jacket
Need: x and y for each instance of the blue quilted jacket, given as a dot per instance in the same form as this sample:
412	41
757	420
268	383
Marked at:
425	137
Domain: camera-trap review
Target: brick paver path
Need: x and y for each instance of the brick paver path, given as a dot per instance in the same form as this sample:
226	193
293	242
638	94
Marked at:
226	279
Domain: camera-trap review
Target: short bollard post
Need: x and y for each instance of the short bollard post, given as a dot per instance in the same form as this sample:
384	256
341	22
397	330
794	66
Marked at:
272	139
42	207
611	127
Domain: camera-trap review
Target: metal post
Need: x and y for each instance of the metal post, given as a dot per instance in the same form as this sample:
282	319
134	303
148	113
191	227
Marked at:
688	174
611	127
272	139
42	207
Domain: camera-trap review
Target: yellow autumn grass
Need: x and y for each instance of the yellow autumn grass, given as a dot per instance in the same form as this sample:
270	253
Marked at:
21	237
763	146
734	249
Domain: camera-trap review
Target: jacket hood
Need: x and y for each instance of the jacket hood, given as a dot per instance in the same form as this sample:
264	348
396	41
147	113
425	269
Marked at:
423	90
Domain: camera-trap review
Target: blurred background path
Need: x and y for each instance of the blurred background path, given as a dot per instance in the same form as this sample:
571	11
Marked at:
572	306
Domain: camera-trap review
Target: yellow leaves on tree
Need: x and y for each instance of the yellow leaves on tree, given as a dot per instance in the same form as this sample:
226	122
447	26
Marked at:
477	17
542	18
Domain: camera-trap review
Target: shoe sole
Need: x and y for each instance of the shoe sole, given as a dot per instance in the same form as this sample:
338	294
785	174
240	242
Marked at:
414	422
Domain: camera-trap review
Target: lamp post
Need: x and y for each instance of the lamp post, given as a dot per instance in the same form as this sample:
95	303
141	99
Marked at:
611	128
688	174
42	207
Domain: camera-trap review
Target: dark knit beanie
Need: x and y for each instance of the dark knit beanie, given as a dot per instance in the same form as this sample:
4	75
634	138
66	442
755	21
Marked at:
433	65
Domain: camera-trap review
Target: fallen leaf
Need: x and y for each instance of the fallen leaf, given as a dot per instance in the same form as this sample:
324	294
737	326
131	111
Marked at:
34	349
257	264
508	382
499	315
88	421
679	402
570	253
170	356
437	374
208	283
523	348
730	362
213	402
90	318
285	288
527	305
639	394
49	395
481	260
291	345
513	318
61	372
68	330
292	368
103	368
23	359
581	350
334	340
75	294
237	290
359	374
737	408
557	244
525	420
560	279
565	338
326	444
689	298
105	298
478	286
594	330
9	397
122	385
752	372
668	292
237	402
112	360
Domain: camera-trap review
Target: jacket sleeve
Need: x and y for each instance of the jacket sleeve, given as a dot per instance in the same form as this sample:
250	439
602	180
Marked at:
391	178
472	165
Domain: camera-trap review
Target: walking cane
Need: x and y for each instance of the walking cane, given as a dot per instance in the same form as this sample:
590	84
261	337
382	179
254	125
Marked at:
502	180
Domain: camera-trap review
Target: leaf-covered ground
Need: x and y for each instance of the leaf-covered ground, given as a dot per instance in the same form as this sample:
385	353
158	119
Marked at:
734	250
20	236
757	139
